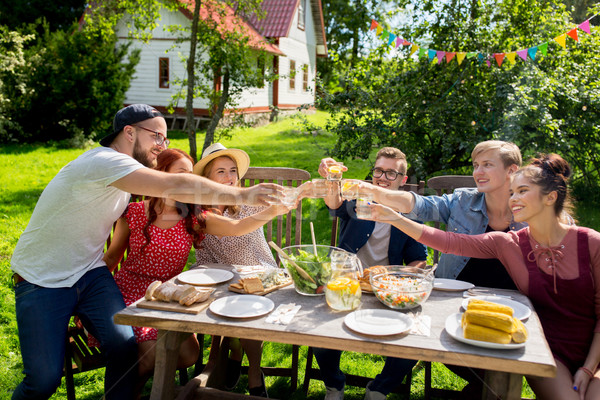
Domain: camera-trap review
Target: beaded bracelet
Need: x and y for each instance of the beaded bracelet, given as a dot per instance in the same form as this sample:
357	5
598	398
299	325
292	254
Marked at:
587	372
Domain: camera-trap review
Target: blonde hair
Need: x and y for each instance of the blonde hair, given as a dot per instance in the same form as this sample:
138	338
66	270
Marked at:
233	210
393	153
508	151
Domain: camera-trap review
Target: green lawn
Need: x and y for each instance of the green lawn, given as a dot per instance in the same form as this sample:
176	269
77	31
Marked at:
26	169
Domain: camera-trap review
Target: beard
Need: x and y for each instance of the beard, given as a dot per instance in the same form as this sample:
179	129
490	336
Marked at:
140	156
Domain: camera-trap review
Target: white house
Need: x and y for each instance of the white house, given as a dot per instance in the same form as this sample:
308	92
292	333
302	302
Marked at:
292	30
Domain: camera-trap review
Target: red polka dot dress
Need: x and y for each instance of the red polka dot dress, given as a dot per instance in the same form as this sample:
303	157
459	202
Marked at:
162	259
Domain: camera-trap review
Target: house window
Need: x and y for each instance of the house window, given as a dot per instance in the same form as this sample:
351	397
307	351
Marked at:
163	72
292	74
305	78
260	67
301	14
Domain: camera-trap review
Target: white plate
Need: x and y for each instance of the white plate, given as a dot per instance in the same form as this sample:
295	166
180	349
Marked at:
454	329
378	322
451	285
204	277
521	311
249	269
246	306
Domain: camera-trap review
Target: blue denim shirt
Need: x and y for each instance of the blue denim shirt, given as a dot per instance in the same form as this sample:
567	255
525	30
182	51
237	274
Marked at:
463	211
355	232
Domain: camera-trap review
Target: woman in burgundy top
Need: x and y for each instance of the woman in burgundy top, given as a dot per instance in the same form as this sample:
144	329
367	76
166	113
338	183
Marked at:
553	262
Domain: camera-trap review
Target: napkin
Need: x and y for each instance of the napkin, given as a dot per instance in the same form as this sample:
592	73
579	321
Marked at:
421	325
283	314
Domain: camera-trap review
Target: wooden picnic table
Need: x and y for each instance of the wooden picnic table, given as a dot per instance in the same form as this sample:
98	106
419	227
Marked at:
317	325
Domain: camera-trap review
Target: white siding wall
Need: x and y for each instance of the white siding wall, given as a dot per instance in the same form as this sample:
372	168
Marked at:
299	46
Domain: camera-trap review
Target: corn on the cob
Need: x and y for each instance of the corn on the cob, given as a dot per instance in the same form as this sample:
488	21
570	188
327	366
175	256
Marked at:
521	334
485	334
476	304
490	319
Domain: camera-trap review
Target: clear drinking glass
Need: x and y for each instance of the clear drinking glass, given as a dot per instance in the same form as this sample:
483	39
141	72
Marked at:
320	188
290	194
334	171
342	291
350	189
363	211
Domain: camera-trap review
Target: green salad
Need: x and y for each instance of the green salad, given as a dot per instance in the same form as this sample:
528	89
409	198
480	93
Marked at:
313	272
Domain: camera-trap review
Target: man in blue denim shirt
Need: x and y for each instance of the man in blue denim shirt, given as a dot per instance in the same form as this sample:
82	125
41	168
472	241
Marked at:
375	244
470	211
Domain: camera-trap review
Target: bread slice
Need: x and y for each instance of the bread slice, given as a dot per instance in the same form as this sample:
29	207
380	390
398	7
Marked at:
252	285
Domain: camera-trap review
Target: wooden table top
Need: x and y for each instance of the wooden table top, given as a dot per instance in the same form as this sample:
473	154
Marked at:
317	325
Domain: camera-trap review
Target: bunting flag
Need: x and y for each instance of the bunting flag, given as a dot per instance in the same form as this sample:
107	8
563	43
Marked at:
440	55
562	40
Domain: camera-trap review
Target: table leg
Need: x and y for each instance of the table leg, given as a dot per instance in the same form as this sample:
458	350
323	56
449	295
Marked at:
502	385
167	353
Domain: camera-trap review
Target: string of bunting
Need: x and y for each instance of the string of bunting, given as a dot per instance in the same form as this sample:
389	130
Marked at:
448	56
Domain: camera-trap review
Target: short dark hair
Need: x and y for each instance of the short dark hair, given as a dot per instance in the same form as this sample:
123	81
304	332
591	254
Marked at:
393	153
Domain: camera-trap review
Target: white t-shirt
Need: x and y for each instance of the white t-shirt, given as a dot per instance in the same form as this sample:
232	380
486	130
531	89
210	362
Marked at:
375	251
72	219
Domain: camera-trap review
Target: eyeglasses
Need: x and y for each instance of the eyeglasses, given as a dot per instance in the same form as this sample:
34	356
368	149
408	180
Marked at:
389	174
159	138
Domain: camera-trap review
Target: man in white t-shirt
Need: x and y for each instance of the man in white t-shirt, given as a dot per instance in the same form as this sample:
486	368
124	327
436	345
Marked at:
375	244
57	263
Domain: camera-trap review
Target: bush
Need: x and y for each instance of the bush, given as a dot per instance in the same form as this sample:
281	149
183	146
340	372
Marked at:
75	85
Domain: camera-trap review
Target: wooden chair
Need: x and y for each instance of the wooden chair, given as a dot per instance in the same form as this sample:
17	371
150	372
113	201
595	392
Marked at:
79	358
445	184
311	372
284	230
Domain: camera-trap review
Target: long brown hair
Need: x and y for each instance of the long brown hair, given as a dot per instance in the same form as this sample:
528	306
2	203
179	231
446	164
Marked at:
163	162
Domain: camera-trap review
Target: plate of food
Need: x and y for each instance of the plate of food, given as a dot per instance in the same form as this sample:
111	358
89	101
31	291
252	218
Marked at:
483	336
520	310
377	322
261	284
242	306
451	285
205	277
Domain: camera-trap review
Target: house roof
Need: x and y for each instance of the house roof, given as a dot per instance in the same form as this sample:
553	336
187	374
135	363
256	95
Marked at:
279	15
229	21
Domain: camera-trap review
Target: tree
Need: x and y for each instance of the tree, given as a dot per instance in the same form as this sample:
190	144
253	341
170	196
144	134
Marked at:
59	15
437	113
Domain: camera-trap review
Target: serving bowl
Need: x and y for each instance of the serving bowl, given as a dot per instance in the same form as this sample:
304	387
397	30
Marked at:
402	287
309	272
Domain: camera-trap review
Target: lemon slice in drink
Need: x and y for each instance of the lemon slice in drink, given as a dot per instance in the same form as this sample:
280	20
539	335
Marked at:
338	283
334	169
348	186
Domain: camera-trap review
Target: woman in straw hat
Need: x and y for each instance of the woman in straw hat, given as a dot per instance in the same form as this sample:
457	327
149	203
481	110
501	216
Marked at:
227	166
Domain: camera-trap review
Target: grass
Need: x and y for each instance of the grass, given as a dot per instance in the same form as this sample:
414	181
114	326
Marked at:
26	169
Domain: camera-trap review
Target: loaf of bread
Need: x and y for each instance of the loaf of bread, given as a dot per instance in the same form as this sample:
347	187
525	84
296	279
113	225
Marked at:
168	291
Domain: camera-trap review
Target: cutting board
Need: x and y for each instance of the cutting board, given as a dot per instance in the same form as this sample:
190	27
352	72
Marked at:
269	290
174	306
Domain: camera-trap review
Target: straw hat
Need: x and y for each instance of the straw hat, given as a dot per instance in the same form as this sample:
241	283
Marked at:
241	158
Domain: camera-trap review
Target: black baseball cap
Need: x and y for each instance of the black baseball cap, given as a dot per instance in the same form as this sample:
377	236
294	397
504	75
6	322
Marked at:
129	116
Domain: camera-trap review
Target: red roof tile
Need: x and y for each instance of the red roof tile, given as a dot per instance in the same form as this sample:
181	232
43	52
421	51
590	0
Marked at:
229	21
278	18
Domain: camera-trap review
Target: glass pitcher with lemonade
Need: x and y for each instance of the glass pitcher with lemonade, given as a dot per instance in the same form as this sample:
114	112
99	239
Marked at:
342	291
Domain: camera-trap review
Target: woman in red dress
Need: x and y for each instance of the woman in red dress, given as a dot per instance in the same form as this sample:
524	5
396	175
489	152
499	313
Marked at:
552	261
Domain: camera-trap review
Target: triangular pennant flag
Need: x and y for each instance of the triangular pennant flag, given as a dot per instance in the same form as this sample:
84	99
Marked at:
499	58
440	55
573	34
480	58
471	54
585	26
379	30
489	63
511	56
460	57
398	41
385	34
413	48
450	56
392	39
532	52
406	42
431	54
562	40
422	52
523	54
374	25
543	48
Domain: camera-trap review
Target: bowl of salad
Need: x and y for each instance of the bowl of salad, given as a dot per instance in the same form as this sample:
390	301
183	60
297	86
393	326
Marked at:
309	271
401	287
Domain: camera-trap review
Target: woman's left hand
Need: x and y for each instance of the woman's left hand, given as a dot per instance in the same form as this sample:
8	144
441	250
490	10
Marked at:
581	381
